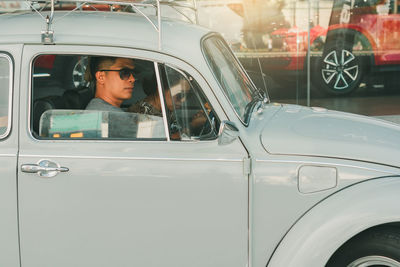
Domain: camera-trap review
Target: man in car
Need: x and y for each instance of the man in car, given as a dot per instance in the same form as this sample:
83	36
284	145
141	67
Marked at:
114	82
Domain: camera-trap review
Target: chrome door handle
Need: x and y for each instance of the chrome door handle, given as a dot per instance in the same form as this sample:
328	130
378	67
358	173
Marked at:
34	168
44	168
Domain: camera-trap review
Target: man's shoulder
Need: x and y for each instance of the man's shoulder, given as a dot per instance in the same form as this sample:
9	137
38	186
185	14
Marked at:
100	104
95	103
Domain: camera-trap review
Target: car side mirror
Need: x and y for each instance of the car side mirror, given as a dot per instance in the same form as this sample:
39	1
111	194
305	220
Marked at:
228	132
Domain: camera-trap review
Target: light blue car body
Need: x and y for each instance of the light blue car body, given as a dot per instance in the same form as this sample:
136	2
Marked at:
294	186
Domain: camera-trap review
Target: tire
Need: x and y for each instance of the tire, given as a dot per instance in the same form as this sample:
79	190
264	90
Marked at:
339	71
379	247
70	71
76	69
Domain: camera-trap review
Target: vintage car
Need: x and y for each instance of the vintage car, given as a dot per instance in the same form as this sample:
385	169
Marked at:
256	184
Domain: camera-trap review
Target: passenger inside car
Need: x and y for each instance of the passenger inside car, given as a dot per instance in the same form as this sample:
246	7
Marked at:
118	99
177	92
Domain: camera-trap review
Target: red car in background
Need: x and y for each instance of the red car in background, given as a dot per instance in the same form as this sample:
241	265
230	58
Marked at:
293	43
362	39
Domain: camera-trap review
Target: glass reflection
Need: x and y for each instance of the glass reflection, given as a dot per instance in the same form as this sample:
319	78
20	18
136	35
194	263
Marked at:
339	54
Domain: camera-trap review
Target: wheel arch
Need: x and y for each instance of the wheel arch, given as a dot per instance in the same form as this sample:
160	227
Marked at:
353	30
315	237
351	248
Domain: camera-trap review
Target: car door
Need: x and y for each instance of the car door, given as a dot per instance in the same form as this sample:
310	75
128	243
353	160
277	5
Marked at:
130	202
9	62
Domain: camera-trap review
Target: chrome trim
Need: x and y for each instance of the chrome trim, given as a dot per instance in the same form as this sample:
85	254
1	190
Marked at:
130	158
30	93
161	95
44	168
8	155
324	164
10	95
41	75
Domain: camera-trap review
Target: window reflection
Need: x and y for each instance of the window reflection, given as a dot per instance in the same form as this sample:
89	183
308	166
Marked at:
4	94
342	55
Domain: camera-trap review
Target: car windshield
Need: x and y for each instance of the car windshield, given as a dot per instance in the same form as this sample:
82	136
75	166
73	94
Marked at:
235	83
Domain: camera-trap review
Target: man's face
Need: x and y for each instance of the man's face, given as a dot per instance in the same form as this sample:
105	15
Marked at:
117	89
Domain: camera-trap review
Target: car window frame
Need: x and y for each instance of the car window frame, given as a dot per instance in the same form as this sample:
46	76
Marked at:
61	53
8	57
195	86
153	56
203	50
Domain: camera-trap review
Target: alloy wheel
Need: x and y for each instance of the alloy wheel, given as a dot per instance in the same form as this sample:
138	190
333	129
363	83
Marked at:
340	69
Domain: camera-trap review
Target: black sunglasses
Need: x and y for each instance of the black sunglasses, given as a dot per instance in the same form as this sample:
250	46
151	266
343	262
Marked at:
124	73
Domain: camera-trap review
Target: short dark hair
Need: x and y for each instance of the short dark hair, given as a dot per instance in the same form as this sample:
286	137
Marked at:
97	63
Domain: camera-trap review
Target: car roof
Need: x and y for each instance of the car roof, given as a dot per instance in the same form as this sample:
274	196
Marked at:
102	28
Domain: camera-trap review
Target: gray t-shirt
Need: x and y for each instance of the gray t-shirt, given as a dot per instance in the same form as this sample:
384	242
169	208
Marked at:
100	104
120	124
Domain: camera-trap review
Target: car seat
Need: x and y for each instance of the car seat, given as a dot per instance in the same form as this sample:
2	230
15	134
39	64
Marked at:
70	99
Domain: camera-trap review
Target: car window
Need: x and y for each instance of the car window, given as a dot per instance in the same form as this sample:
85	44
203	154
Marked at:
67	102
191	115
230	75
5	88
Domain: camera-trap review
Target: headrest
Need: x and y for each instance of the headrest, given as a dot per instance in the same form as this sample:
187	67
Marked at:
77	98
149	84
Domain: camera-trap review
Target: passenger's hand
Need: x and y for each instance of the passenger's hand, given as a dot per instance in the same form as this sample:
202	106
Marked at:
198	119
176	136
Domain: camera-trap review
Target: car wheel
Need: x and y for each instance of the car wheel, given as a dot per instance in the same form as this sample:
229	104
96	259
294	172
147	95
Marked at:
339	71
70	71
76	72
375	247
